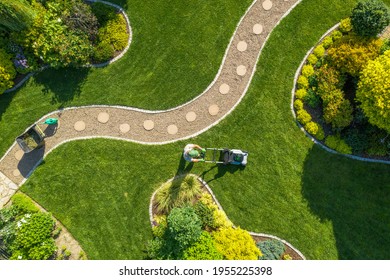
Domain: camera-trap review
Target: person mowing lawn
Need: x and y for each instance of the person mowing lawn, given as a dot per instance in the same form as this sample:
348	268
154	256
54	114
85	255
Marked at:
193	153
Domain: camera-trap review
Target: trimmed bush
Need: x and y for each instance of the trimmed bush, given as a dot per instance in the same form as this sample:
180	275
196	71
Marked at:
307	70
337	110
271	249
236	244
312	99
312	59
302	82
203	249
7	71
104	51
303	117
370	18
103	12
327	42
298	104
23	203
319	51
312	128
373	91
115	33
336	143
329	79
300	93
336	35
345	25
320	133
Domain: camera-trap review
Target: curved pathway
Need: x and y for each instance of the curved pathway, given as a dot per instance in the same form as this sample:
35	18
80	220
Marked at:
158	127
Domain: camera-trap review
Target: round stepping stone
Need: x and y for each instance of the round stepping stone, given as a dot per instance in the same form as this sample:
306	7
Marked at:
148	124
241	70
191	116
16	173
213	110
19	154
79	126
257	29
124	128
103	117
224	89
267	5
242	46
172	129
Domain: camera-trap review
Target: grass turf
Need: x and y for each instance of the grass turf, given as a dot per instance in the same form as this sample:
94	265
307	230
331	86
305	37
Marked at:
328	206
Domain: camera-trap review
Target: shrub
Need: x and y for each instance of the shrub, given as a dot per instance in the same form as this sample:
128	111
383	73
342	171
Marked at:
377	150
320	133
386	46
373	91
104	51
103	12
302	82
206	214
184	226
221	220
177	193
160	229
336	143
303	117
312	99
337	110
7	71
24	204
286	257
351	53
336	35
203	249
307	70
329	79
300	93
236	244
312	59
319	51
16	15
327	42
358	141
312	128
33	238
271	249
345	25
115	33
298	104
370	18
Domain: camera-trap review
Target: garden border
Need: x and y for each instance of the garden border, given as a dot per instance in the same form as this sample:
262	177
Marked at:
204	183
311	137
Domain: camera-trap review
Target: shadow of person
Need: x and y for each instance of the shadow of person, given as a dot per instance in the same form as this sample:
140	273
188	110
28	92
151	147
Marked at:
184	166
30	161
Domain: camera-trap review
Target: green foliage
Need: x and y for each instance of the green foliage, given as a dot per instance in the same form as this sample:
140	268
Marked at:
302	82
336	109
345	25
336	143
351	53
7	71
329	79
319	51
114	32
219	218
298	104
336	35
271	249
358	141
327	42
177	193
33	237
23	203
312	99
104	51
206	214
16	15
203	249
160	229
307	70
303	116
377	150
184	226
370	18
300	93
287	257
320	135
312	128
386	46
312	59
236	244
373	91
103	12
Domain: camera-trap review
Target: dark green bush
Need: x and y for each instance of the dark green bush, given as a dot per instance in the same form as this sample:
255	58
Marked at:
312	99
103	12
370	18
203	249
336	143
358	141
271	249
206	214
104	51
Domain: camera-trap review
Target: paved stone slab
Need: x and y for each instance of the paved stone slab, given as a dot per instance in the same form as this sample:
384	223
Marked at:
124	127
241	70
267	5
257	28
19	154
224	89
172	129
79	126
190	116
13	186
148	124
16	173
103	117
213	110
242	46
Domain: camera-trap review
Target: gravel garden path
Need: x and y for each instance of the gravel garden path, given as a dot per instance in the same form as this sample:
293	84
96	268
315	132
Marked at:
158	127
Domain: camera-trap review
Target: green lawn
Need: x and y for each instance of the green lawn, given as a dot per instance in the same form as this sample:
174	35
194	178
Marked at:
328	206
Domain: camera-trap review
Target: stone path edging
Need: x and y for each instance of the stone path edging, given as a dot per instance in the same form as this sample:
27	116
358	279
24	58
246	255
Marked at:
311	137
97	65
204	183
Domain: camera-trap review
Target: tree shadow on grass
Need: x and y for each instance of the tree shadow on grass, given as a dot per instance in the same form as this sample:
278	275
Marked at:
355	197
63	84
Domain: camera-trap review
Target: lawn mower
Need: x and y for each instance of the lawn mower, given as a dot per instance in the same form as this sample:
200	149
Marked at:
225	156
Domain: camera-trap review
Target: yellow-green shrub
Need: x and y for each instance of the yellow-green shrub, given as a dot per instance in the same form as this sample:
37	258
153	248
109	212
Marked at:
302	82
115	32
307	70
236	244
351	53
336	35
312	128
319	51
327	42
345	25
312	59
7	71
303	117
298	104
374	91
300	93
336	143
320	133
336	109
221	220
